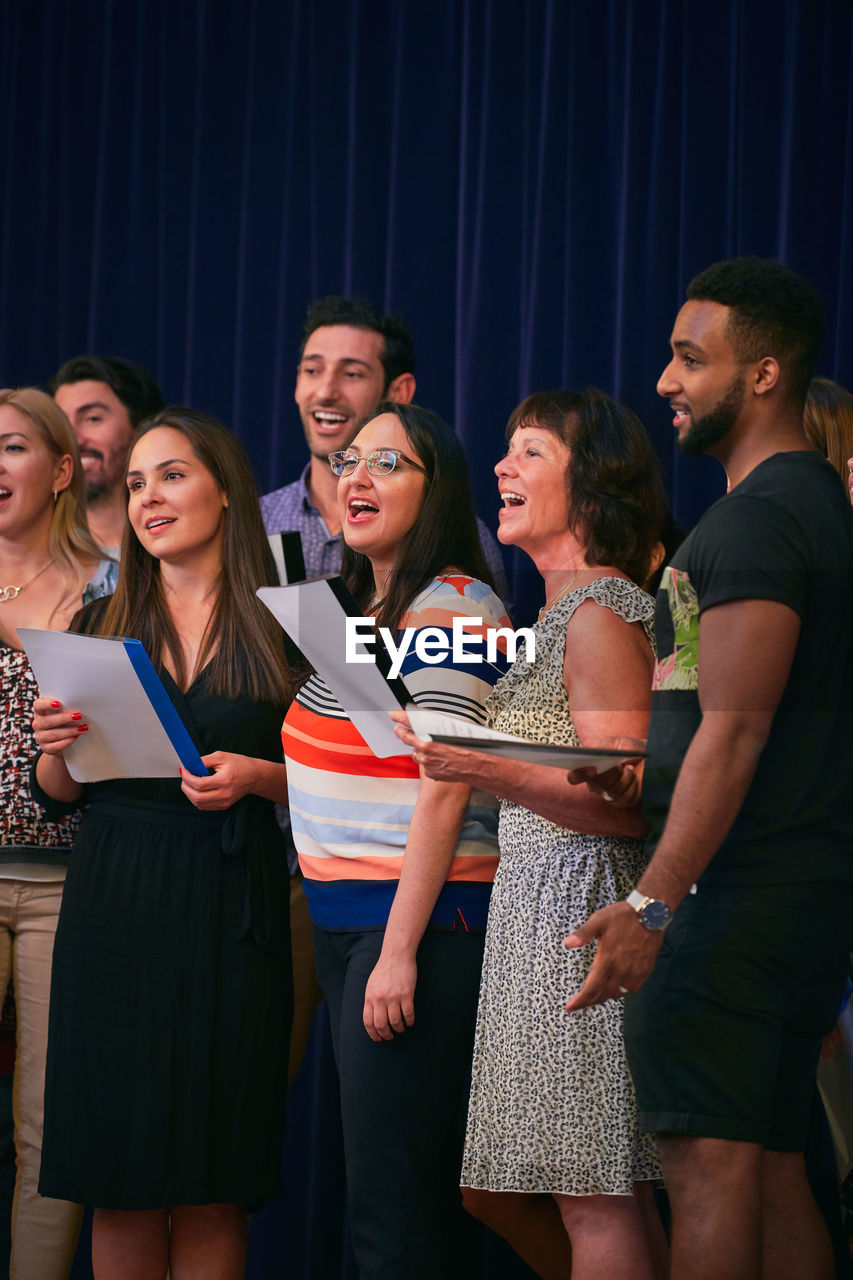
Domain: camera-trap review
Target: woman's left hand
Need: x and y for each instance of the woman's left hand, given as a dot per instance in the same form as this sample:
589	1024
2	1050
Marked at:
620	786
389	998
233	777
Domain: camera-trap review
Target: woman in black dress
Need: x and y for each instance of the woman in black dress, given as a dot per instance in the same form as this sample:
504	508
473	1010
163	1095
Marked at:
170	1012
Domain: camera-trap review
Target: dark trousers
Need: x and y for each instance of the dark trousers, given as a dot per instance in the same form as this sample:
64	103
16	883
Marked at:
403	1104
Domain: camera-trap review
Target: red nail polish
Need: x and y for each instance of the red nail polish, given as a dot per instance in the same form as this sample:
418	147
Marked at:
82	728
56	704
76	715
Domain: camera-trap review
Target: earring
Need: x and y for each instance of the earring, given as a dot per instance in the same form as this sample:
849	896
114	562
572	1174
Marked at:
56	495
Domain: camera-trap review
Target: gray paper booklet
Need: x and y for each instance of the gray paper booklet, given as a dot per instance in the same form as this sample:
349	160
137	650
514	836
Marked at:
134	729
314	614
461	733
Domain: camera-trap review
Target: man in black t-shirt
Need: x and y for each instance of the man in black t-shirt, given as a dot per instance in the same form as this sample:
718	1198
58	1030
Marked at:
749	794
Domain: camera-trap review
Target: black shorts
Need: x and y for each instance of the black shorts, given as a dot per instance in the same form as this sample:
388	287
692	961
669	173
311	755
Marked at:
723	1040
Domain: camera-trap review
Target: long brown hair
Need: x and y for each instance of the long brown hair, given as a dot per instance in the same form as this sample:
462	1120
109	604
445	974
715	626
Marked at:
828	421
249	657
70	544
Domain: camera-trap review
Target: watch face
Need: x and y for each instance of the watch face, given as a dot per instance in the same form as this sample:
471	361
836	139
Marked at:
655	915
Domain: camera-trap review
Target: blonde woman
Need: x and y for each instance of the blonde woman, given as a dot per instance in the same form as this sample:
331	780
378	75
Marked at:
49	566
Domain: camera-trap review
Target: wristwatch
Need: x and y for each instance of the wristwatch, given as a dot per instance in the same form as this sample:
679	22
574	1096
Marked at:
653	913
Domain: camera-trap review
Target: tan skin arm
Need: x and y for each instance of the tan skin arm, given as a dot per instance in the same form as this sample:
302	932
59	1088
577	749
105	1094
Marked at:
607	670
741	681
234	776
430	847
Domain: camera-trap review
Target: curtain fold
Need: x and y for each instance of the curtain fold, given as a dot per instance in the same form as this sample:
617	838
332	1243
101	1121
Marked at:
531	185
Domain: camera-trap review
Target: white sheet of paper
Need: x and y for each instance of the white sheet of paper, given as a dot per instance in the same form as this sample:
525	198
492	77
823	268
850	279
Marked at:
433	724
290	567
315	620
278	556
94	675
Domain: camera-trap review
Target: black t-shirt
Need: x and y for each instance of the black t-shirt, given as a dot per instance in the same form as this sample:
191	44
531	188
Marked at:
785	533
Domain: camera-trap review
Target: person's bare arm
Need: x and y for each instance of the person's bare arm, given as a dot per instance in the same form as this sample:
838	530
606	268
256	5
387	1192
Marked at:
741	680
538	787
607	673
389	1003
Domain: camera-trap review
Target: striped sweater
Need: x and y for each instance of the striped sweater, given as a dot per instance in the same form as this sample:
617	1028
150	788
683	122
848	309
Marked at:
350	810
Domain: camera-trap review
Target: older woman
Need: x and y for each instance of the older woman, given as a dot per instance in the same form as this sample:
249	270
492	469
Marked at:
552	1111
49	565
397	868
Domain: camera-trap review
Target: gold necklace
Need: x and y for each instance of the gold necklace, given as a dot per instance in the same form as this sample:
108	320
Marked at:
549	604
12	593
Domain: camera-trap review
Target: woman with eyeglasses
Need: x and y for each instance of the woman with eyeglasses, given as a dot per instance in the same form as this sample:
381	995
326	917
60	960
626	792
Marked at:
398	869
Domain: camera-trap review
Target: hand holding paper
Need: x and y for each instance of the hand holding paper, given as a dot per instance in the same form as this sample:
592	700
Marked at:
433	726
233	776
56	727
440	762
621	785
134	730
513	769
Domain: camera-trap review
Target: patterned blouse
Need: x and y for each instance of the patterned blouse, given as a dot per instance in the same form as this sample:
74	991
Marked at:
26	834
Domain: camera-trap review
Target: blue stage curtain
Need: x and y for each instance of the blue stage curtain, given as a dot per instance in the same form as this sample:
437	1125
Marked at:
531	184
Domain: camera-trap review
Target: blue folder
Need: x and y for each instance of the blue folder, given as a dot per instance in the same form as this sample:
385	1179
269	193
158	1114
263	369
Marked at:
81	671
165	708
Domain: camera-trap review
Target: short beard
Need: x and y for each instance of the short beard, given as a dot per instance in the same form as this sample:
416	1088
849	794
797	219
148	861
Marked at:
94	490
707	431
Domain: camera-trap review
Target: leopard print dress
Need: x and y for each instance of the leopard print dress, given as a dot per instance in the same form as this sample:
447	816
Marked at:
552	1104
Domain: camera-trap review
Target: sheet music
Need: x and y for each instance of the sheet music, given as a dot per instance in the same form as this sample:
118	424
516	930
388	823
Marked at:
315	619
96	675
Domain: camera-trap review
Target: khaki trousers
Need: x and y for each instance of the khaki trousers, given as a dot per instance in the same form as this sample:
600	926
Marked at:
44	1232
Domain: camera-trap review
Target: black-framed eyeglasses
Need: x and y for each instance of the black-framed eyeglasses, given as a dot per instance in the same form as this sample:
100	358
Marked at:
381	462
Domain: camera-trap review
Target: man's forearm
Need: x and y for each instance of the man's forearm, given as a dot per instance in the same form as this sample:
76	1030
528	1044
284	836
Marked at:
716	774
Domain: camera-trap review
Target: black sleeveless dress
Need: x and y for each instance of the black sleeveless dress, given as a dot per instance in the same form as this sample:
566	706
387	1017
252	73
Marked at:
171	993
